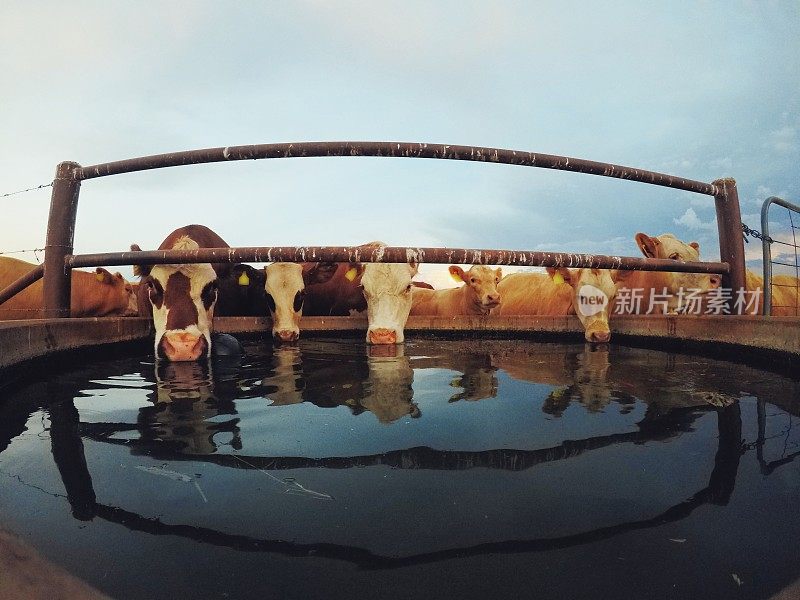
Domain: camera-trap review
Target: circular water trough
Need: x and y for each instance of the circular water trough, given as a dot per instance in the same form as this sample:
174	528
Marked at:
635	505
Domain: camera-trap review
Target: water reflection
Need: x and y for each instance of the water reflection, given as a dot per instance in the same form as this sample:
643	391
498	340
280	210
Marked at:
379	380
188	399
197	413
595	377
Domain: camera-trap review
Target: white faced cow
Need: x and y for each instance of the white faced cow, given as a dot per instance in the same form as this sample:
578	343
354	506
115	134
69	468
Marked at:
183	296
285	286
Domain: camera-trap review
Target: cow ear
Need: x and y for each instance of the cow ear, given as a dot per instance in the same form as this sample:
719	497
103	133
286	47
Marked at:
140	270
242	274
354	271
457	273
319	272
498	272
104	276
413	268
560	275
695	245
648	245
620	275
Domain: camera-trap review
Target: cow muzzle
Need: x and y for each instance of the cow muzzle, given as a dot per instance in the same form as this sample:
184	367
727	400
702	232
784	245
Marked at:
183	346
598	334
382	336
286	335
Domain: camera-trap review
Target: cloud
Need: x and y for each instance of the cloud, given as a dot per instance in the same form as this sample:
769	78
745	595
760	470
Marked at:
783	140
690	220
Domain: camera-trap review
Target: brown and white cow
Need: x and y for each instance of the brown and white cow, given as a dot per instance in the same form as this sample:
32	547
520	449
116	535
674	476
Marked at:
285	287
92	294
662	289
182	297
587	293
478	296
383	289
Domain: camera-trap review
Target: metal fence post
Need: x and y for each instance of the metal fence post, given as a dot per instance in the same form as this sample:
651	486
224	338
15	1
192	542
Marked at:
60	237
731	240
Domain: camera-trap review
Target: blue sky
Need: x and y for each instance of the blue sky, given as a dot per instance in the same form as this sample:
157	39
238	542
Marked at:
696	89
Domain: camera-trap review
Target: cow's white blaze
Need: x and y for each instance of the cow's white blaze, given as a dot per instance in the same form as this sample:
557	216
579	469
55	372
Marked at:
283	283
179	288
594	290
387	289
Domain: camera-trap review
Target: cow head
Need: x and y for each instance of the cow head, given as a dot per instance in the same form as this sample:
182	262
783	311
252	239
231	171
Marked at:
108	295
669	247
182	300
387	290
482	283
592	293
285	285
241	292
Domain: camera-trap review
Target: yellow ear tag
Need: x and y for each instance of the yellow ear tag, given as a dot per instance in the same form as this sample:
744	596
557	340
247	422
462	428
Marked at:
99	277
351	274
244	279
558	279
456	277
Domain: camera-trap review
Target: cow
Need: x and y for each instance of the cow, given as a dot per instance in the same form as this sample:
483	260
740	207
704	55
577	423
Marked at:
587	293
478	296
285	292
92	294
182	297
384	290
785	295
645	291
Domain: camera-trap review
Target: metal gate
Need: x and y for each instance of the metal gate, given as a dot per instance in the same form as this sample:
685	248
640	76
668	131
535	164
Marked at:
767	241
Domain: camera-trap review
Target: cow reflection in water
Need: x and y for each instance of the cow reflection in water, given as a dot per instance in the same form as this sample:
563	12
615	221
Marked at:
188	396
595	377
378	380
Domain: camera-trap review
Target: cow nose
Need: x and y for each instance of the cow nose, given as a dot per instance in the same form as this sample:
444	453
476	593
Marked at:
492	298
183	346
716	281
286	335
382	336
599	337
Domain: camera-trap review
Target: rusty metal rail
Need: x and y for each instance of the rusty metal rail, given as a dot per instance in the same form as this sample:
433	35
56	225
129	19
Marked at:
69	175
391	149
392	255
21	283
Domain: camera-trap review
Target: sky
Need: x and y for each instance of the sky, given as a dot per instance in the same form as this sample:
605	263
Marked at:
700	90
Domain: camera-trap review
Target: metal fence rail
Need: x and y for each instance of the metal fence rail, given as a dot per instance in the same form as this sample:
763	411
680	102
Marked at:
66	189
392	254
766	244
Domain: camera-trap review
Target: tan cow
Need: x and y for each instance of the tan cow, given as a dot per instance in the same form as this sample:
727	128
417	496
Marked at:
96	294
785	300
642	292
587	293
285	286
478	296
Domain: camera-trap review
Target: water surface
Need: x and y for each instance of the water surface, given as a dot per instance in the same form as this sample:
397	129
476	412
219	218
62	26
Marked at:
448	468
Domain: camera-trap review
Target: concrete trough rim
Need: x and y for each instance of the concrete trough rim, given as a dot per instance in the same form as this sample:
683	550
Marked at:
743	338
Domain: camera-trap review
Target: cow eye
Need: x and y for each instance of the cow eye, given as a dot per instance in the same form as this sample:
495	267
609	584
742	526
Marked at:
472	280
270	302
298	301
155	293
675	256
408	288
209	294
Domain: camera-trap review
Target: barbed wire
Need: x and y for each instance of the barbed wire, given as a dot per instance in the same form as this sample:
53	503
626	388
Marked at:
35	252
747	231
38	187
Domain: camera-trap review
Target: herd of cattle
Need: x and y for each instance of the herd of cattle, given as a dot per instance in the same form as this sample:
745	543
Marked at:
182	299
